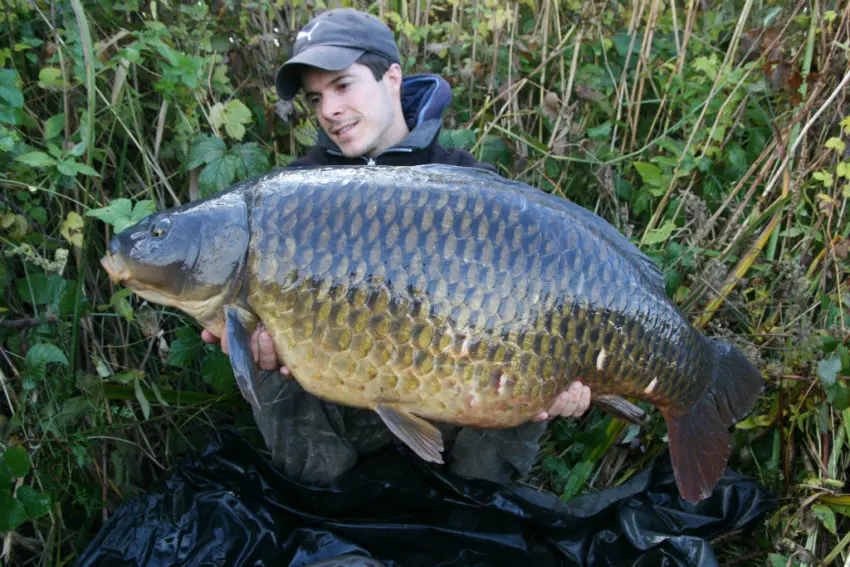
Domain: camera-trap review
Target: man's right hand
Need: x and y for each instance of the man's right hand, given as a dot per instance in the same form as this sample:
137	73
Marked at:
262	348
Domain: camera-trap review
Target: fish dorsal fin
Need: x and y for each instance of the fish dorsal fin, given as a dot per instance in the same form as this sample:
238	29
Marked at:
643	264
422	437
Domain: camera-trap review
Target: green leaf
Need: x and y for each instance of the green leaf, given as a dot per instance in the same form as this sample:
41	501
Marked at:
46	289
38	214
141	209
306	134
143	401
718	133
777	560
18	460
12	95
78	167
117	208
65	169
54	150
4	278
250	159
650	173
121	213
54	126
36	159
836	144
186	348
219	174
838	396
660	234
50	78
826	516
206	149
217	372
74	409
6	477
829	368
824	177
35	503
120	304
460	138
128	376
45	353
737	158
600	132
234	116
843	169
12	512
706	65
72	229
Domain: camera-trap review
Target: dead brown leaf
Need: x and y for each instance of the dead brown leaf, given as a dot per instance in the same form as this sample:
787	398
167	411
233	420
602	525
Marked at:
842	248
551	106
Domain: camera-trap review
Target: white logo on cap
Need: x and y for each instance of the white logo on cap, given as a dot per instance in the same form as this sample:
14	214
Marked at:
307	34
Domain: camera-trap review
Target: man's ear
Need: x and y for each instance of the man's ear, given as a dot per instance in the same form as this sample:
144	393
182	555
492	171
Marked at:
393	77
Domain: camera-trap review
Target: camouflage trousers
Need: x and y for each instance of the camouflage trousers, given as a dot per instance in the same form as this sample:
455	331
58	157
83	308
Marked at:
314	441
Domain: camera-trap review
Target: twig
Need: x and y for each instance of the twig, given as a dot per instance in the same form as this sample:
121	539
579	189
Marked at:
27	323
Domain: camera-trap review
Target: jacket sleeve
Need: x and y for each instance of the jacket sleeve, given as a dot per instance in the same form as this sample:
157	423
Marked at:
314	158
460	157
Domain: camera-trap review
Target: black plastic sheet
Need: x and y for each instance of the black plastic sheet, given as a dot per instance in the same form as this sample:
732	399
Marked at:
231	507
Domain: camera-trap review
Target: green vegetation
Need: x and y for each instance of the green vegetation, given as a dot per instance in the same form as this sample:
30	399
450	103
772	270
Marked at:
716	135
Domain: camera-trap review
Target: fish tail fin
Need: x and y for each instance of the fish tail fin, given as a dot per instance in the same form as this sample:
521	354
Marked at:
700	441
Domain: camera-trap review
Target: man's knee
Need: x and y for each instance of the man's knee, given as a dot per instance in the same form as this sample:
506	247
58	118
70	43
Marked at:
303	434
498	455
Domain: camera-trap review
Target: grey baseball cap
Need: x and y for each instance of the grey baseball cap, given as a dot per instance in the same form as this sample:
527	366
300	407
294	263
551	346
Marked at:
332	41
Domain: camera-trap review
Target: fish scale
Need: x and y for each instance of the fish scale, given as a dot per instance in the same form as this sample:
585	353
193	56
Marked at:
441	293
423	223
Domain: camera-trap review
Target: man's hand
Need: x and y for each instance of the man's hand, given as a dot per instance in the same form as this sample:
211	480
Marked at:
572	402
262	348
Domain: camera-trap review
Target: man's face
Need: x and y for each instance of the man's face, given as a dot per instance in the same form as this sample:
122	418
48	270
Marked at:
355	110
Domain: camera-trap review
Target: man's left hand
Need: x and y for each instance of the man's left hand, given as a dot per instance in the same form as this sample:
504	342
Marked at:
572	402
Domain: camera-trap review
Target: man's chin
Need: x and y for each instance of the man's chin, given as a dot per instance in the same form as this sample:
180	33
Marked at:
353	152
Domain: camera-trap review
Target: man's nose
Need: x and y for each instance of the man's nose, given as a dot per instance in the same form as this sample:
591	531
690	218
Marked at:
331	106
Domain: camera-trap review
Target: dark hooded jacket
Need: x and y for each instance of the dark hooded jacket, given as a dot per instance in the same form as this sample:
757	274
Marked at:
424	98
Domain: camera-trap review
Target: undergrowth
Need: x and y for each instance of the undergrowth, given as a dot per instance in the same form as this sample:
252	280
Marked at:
715	135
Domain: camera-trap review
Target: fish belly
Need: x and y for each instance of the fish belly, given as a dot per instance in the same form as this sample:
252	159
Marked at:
469	304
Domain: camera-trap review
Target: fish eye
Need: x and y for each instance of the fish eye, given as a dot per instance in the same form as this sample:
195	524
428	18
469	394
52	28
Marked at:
160	227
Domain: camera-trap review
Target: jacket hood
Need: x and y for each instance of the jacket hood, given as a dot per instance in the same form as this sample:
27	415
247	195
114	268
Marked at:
424	98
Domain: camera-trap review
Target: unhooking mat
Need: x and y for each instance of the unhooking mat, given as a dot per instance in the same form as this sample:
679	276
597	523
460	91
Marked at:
231	507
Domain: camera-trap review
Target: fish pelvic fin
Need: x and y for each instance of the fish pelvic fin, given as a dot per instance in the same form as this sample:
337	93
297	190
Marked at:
700	440
422	437
241	356
619	407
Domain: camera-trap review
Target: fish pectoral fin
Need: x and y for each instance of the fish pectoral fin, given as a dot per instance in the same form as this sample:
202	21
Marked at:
422	437
619	407
241	357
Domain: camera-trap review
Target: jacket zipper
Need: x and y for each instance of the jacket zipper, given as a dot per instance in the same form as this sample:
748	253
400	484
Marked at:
371	161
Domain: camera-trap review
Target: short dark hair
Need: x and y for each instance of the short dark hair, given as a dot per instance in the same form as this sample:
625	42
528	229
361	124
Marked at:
376	63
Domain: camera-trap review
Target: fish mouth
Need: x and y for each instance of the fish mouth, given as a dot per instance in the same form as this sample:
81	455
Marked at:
116	268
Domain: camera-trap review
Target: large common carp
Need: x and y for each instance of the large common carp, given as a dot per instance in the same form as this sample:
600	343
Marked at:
440	293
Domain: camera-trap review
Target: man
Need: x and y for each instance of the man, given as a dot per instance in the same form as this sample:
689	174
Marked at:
349	67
